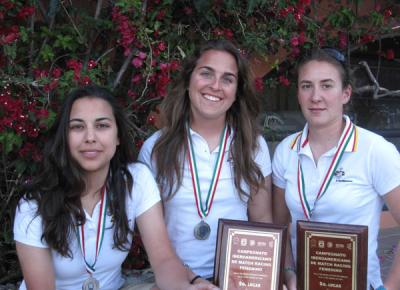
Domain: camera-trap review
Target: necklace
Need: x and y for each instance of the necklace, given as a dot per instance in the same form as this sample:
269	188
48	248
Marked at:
92	283
308	210
202	230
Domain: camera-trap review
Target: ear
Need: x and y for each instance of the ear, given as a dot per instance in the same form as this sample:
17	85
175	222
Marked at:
347	94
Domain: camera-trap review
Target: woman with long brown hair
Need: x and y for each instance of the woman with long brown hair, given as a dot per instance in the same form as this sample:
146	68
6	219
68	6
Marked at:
210	159
73	227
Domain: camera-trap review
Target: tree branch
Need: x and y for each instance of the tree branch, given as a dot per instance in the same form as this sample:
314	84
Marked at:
123	68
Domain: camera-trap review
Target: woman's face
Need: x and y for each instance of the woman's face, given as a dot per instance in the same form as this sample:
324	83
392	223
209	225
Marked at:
213	85
321	94
92	134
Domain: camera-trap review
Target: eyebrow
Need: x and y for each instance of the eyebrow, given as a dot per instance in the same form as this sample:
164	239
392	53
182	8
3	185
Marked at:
97	120
225	73
321	81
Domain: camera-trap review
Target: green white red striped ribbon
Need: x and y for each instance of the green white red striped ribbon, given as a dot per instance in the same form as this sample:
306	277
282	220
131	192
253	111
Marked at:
349	130
204	210
80	232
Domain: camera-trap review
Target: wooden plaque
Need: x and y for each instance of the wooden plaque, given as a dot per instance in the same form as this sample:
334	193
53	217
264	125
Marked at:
249	256
331	256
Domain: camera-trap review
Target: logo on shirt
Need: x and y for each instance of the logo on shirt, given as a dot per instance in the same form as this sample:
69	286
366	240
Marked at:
340	175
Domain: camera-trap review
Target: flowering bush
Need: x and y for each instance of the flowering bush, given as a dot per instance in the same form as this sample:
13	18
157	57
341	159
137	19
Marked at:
135	48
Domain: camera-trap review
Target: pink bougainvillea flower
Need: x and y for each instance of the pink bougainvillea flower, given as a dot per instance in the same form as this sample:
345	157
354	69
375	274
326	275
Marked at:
388	13
139	143
259	84
366	38
294	41
162	46
56	72
389	54
188	10
174	65
136	78
25	12
42	113
218	32
305	2
9	38
284	81
228	33
164	66
132	94
161	14
91	64
137	62
151	120
342	39
302	38
85	80
50	86
38	73
142	55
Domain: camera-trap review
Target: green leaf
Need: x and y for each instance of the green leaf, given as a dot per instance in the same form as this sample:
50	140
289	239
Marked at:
20	166
66	42
11	50
9	140
24	34
49	121
47	53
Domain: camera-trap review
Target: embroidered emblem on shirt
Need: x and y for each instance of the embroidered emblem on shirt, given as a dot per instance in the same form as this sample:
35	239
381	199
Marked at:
340	175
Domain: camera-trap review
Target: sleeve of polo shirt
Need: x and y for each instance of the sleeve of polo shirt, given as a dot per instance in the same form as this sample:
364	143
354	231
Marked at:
145	189
263	158
278	164
27	226
146	150
385	166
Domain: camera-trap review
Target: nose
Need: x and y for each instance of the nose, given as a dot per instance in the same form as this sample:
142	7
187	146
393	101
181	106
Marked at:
215	84
315	95
90	135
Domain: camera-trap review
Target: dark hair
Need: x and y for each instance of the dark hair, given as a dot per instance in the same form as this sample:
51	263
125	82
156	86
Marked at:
60	182
169	149
329	55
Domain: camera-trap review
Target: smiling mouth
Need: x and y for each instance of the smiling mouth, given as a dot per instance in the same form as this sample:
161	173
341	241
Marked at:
90	154
212	98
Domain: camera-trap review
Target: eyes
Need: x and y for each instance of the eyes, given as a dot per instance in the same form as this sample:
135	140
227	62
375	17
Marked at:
226	79
309	86
80	126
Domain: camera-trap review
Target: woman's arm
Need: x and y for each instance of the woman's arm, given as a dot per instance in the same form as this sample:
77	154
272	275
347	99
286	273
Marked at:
259	205
169	270
281	216
37	267
392	200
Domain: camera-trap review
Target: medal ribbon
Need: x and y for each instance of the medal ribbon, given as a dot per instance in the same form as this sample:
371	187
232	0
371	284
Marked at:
203	211
80	232
343	142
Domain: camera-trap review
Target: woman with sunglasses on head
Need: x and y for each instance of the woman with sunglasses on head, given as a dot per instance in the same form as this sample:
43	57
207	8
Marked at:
210	159
348	172
73	227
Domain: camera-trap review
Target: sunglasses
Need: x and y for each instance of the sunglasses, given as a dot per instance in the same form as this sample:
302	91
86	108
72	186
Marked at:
337	55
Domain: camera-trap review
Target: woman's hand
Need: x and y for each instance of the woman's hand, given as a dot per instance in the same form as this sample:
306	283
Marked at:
202	284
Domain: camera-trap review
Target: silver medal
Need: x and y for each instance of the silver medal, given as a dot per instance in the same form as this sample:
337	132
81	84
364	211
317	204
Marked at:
91	284
202	230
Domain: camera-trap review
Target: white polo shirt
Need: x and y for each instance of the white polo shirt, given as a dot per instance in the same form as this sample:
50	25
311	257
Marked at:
180	212
369	168
71	273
